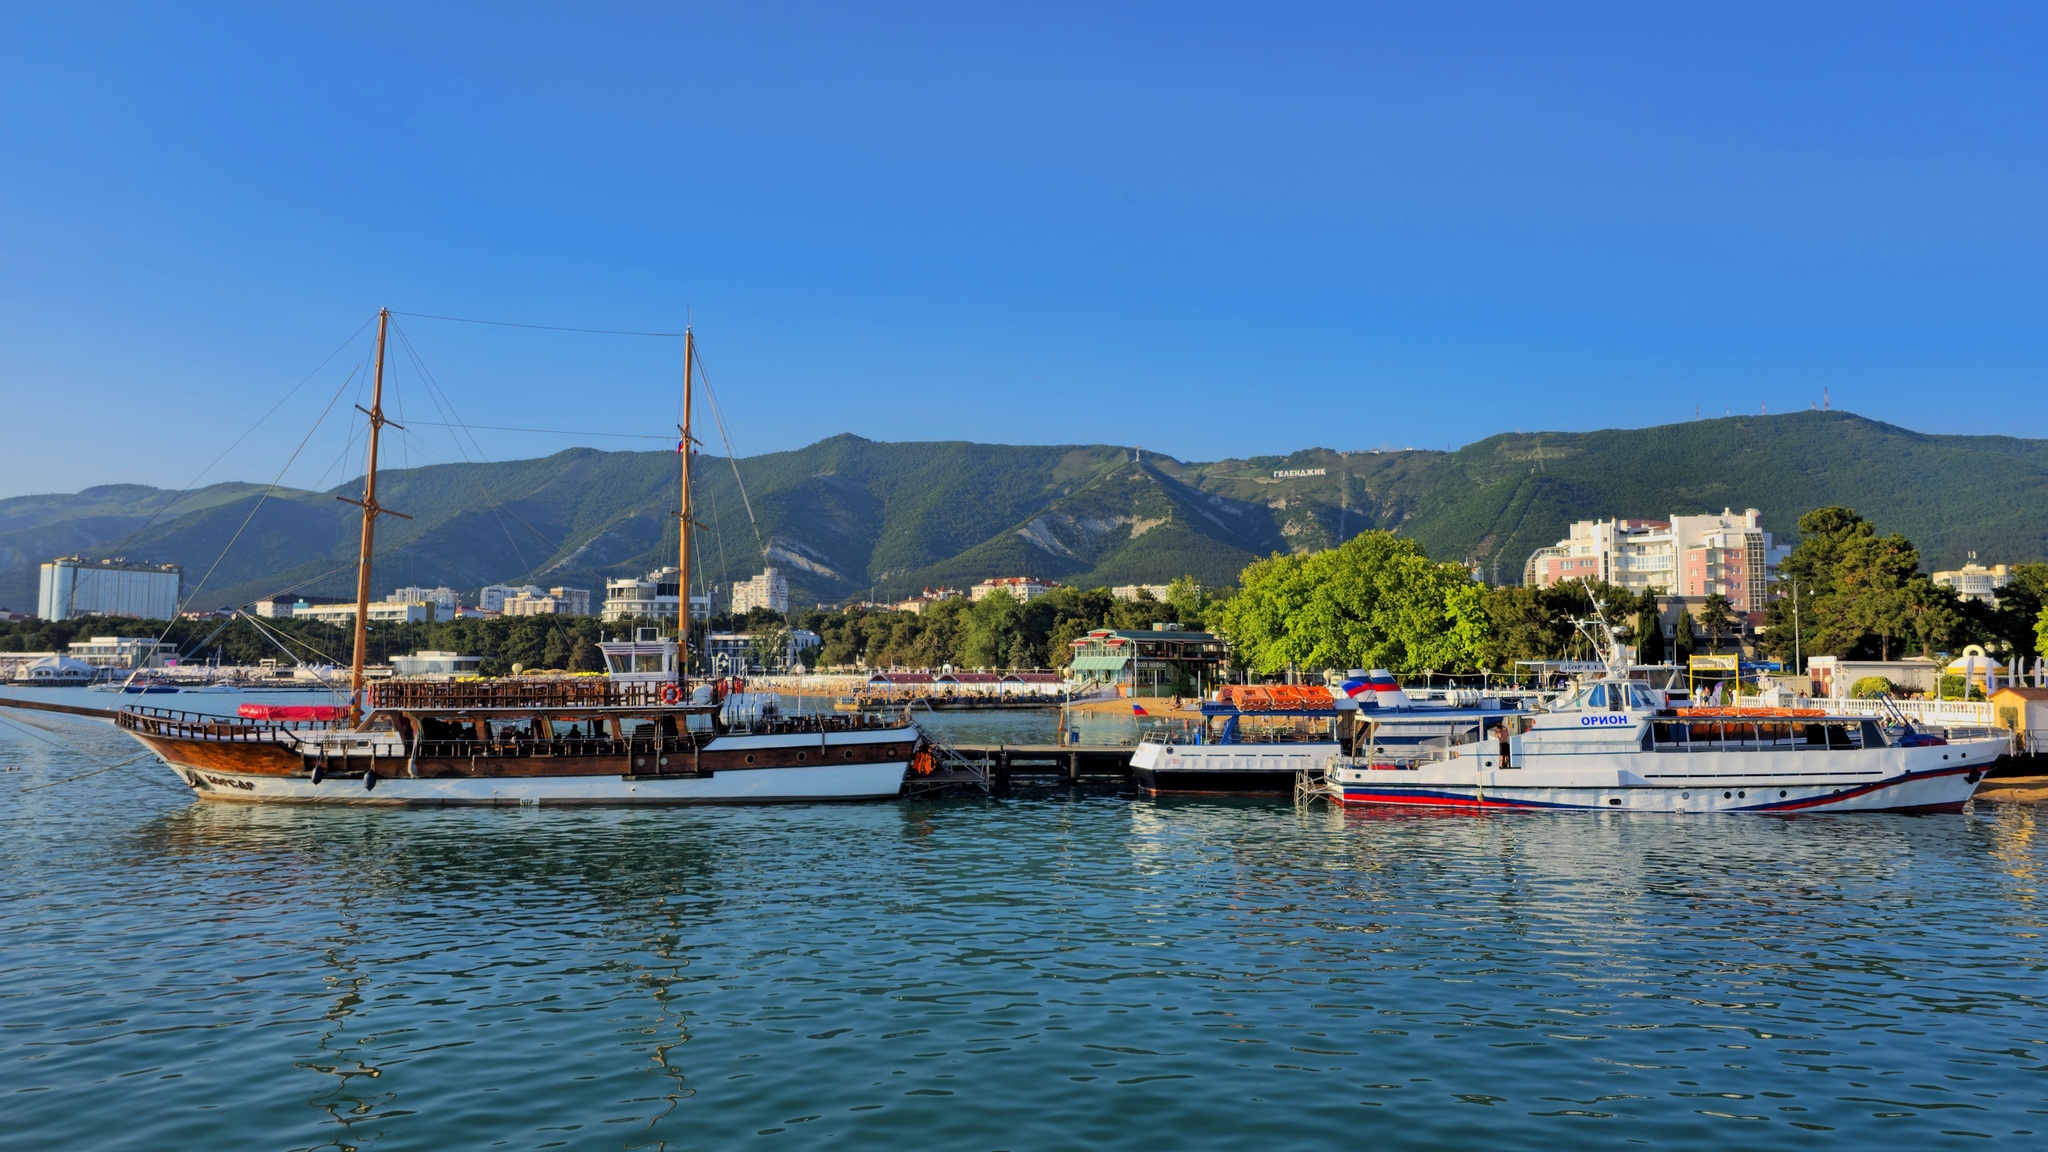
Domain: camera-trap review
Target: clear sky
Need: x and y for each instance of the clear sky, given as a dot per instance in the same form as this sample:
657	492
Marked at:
1209	231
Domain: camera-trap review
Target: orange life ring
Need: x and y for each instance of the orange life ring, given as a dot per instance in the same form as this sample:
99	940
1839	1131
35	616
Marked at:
671	694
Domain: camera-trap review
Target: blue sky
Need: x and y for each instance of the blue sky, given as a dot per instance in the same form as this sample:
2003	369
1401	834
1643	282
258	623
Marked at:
1209	231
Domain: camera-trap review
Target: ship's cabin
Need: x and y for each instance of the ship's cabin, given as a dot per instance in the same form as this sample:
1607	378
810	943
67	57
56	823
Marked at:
648	658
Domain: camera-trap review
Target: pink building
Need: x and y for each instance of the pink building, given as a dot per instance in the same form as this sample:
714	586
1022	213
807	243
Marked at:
1682	556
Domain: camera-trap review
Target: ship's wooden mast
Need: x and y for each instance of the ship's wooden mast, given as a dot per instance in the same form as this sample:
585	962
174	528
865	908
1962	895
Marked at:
370	509
683	523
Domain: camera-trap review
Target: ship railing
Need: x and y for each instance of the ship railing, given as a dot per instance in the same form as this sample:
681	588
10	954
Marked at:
176	724
515	692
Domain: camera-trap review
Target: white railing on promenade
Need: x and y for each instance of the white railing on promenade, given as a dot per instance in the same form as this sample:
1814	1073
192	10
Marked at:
1940	713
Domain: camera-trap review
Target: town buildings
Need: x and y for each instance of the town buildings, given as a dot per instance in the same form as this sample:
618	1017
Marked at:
739	653
493	596
1020	588
768	590
72	586
274	607
126	653
653	598
432	663
926	599
1131	591
556	601
1973	581
444	599
381	612
1691	556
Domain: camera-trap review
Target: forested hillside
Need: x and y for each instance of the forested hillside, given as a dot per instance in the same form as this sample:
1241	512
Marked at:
846	515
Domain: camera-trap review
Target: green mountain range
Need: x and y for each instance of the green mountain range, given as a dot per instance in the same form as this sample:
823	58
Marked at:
845	516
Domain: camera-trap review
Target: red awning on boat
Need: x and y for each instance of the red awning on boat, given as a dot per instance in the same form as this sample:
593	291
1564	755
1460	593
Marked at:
292	712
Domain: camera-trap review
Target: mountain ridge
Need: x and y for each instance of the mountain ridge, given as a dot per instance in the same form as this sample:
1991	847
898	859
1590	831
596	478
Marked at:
848	515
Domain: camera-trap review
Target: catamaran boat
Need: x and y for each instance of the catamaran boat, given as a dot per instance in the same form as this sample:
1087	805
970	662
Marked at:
641	734
1616	743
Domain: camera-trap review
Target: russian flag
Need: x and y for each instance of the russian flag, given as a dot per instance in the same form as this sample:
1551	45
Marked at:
1356	687
1138	709
681	445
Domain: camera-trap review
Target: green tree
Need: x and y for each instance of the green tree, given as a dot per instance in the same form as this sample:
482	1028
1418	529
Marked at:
556	652
1716	617
1649	630
1683	643
2020	604
2041	631
1875	589
1374	601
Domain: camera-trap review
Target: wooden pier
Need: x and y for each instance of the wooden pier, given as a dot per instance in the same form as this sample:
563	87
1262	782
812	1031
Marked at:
991	767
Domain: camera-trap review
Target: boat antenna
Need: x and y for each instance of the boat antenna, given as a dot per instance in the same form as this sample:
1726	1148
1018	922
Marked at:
683	522
370	509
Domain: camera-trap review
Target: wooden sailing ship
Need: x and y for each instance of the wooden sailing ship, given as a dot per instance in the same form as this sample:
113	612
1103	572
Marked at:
641	734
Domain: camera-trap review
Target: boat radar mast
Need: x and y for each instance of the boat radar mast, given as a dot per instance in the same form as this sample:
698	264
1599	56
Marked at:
371	509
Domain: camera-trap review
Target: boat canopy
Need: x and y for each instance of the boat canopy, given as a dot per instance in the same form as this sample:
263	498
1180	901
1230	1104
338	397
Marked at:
1273	699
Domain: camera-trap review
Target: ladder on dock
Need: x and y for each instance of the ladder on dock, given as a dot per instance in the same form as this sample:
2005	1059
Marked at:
953	769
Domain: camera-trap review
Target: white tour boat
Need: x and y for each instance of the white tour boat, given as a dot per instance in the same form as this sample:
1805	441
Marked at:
1613	743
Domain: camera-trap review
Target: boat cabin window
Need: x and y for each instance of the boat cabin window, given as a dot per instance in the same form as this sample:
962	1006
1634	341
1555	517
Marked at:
1597	698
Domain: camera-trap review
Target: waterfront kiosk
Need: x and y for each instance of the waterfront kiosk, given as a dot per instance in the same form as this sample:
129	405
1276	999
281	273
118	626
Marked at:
1161	662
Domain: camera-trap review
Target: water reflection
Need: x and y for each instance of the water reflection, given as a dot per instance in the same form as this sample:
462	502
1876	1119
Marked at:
1052	969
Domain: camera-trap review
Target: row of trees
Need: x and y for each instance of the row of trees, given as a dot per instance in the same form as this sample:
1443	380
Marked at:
1378	601
997	631
1863	595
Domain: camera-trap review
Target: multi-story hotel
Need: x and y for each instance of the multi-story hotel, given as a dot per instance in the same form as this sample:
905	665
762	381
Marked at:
769	590
1684	556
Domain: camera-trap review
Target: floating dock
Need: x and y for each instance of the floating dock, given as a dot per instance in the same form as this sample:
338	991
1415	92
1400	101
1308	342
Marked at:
991	767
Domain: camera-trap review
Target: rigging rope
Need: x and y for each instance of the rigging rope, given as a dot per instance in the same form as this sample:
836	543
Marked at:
720	417
189	489
540	327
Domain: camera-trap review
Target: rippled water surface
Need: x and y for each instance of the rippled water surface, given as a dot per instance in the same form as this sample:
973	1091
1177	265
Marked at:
1049	971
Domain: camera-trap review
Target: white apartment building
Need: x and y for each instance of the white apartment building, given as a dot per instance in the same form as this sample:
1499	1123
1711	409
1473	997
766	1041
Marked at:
1973	581
555	602
1130	591
1021	588
1684	556
444	599
768	590
432	663
124	652
493	596
381	612
653	598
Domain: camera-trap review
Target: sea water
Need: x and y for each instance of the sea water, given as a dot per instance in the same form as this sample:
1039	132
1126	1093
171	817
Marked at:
1057	969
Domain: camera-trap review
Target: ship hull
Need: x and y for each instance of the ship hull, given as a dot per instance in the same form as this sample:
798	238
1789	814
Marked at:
1226	769
870	781
1944	789
226	762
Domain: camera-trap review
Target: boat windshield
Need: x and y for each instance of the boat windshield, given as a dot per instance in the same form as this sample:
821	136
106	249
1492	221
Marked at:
1609	698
